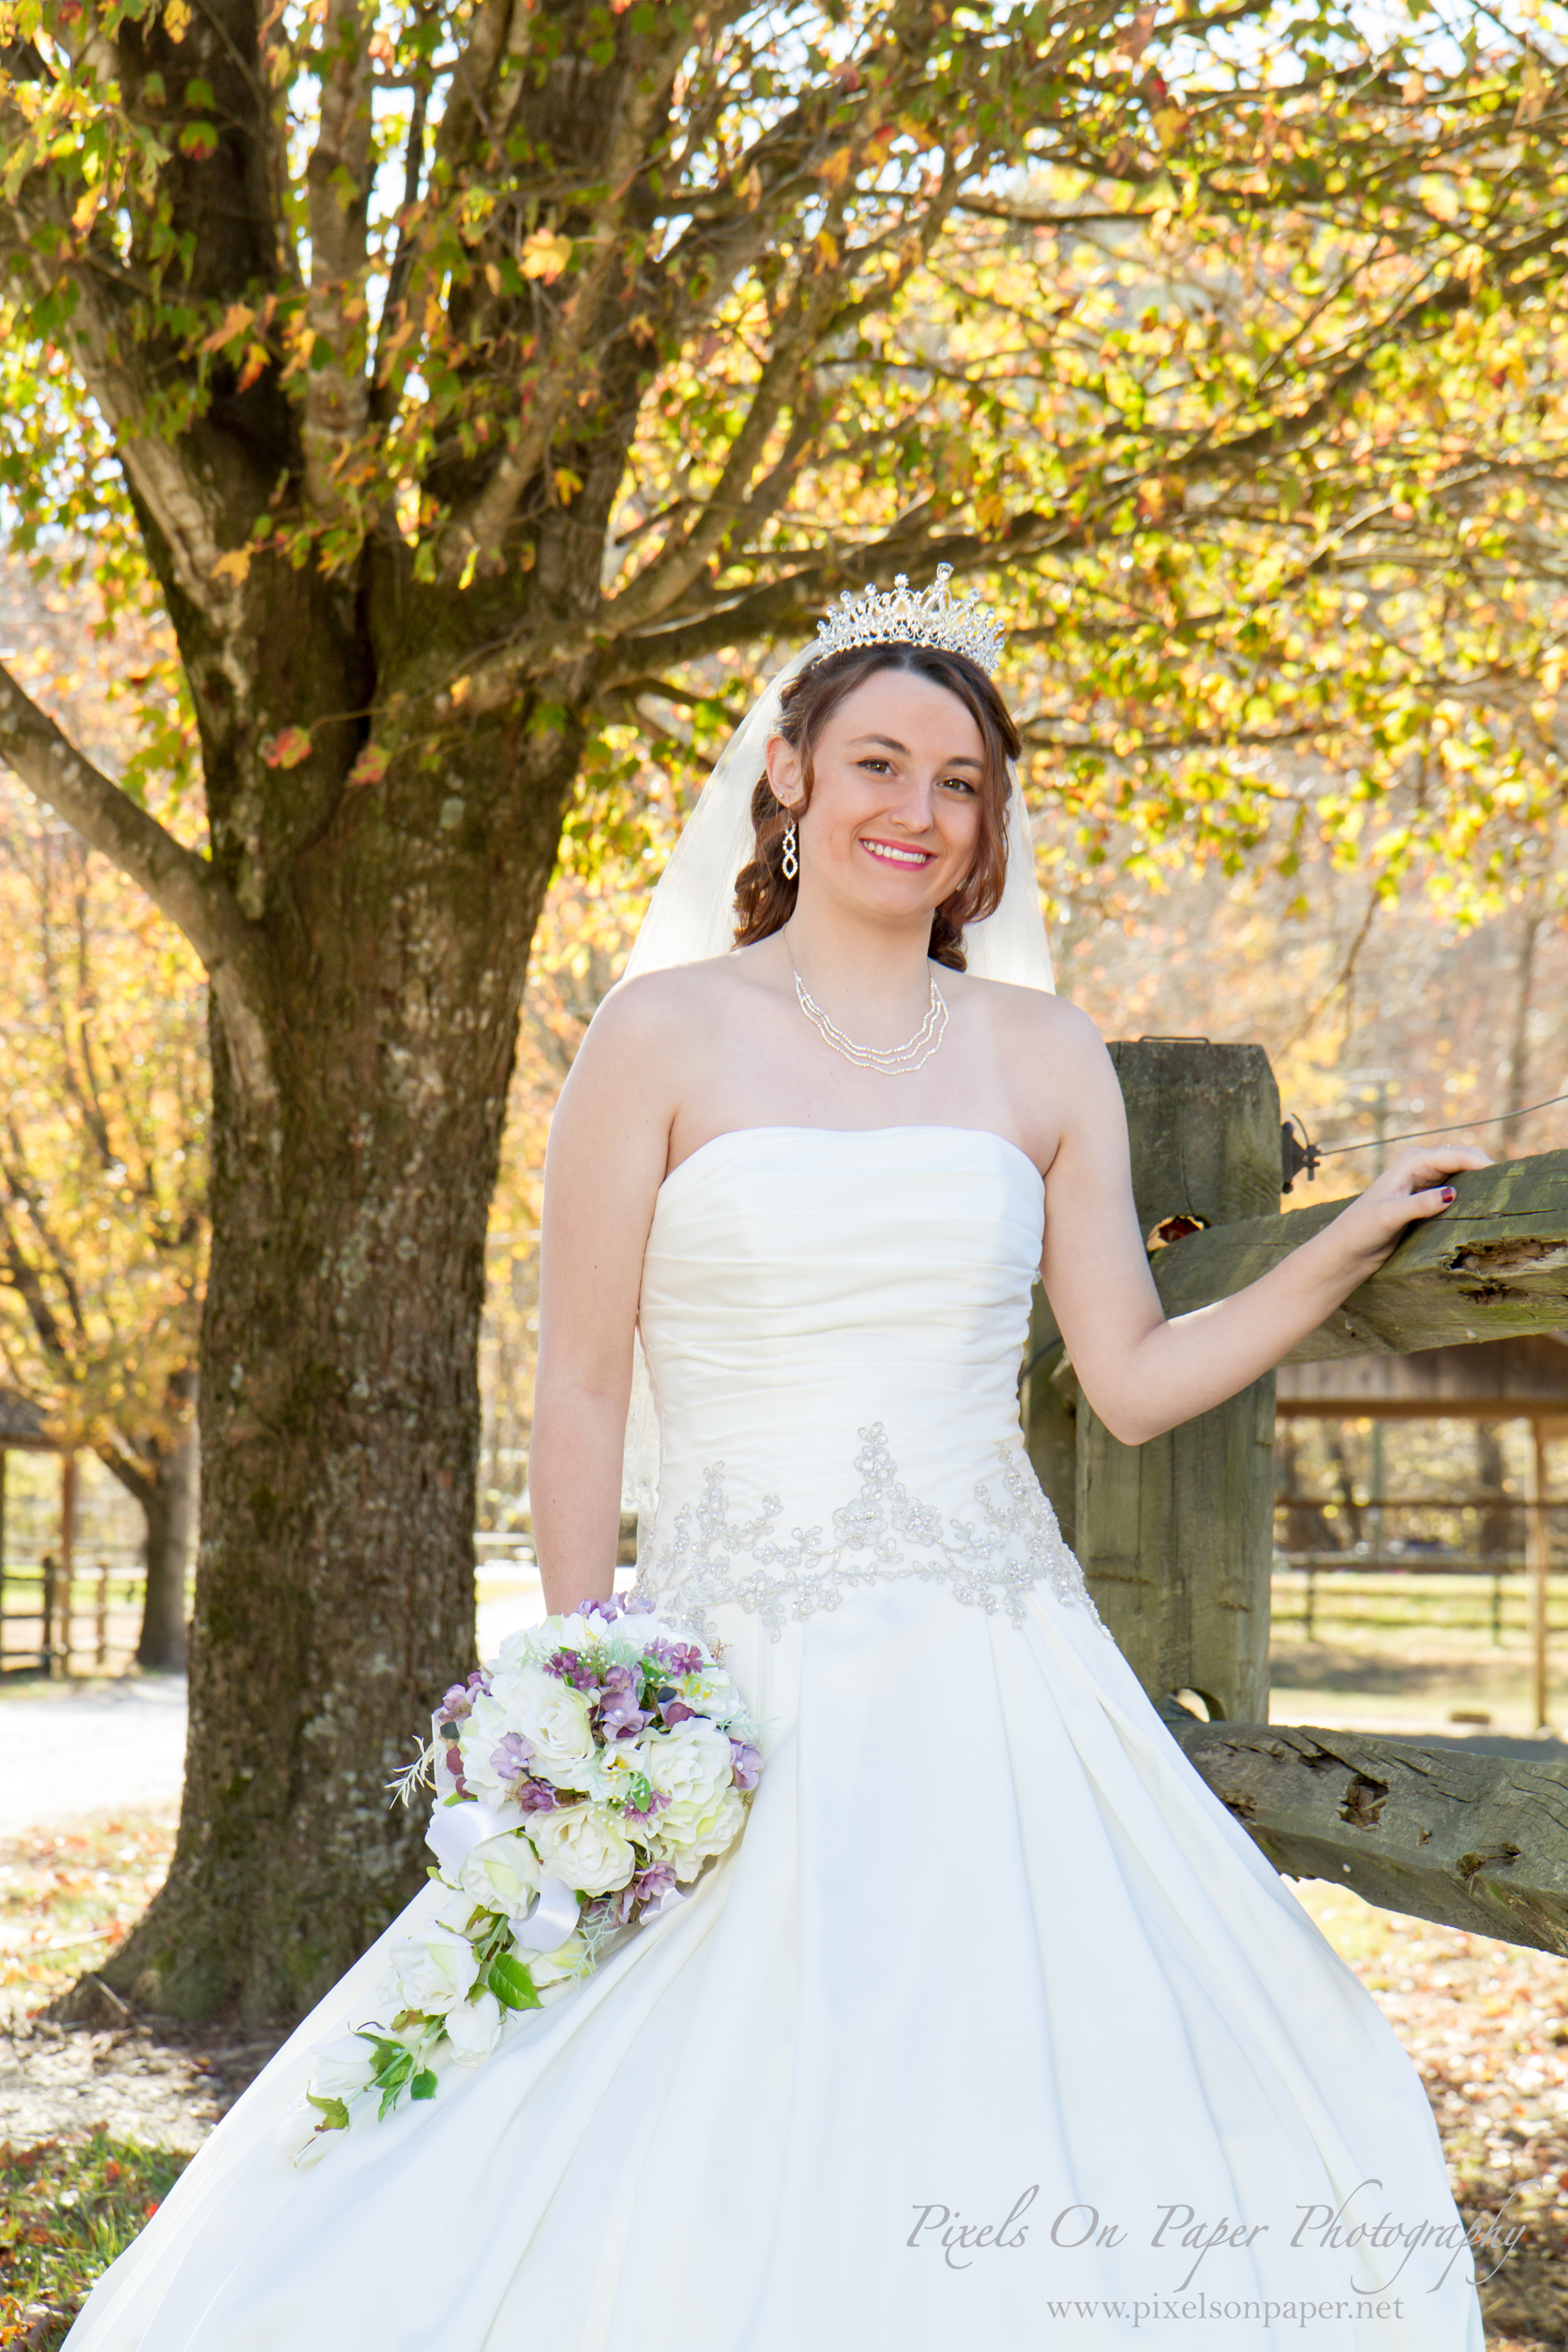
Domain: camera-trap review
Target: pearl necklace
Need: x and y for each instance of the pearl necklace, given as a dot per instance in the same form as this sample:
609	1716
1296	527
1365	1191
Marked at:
891	1060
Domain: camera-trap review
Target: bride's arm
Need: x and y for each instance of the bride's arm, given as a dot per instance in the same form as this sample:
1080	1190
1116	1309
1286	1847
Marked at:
1141	1373
608	1143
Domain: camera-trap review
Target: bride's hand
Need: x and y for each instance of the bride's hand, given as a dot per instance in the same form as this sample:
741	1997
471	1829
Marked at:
1410	1188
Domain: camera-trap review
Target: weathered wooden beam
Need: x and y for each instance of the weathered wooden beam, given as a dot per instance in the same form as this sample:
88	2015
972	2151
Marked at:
1494	1264
1176	1537
1473	1842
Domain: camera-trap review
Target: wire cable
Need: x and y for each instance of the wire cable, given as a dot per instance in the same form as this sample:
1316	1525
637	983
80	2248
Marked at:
1419	1134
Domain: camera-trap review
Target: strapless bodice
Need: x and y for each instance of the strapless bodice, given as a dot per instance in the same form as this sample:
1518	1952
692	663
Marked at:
834	1323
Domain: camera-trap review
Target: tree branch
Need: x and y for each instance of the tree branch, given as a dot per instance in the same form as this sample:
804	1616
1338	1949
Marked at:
480	529
180	885
337	396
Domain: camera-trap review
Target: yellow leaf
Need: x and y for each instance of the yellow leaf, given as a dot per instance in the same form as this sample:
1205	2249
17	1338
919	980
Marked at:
233	566
826	249
236	319
492	279
1532	92
567	484
835	170
545	254
304	344
1169	122
255	360
177	19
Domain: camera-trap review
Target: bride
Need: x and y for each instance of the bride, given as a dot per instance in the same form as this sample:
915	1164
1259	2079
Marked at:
994	2026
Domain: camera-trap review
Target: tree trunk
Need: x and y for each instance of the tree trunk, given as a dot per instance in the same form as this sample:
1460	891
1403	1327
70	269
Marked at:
167	1508
340	1395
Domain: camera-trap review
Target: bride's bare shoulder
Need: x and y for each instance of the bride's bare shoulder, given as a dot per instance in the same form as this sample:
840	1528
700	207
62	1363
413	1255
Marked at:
1029	1018
657	1008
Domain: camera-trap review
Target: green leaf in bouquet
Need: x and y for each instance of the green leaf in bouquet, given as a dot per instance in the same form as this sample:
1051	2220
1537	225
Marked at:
334	2114
423	2087
509	1982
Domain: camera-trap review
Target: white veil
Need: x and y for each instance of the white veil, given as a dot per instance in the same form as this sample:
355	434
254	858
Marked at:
691	916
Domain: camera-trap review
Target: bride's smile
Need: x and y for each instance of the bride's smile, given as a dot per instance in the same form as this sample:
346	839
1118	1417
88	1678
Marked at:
888	798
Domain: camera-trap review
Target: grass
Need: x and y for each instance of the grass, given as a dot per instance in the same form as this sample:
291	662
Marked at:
68	2208
1404	1653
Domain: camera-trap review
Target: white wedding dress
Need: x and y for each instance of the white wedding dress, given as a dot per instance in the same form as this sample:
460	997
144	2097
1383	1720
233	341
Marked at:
991	1981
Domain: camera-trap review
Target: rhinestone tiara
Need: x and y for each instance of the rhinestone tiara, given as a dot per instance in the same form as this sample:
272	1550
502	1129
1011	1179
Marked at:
925	616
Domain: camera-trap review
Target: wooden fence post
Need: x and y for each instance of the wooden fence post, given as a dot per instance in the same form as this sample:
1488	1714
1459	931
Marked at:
1537	1568
1176	1537
67	1565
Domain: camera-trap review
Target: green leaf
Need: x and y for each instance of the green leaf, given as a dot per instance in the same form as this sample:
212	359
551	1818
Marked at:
334	2114
423	2087
509	1982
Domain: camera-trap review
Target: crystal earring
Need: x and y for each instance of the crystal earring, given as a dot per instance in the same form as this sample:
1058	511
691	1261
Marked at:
789	864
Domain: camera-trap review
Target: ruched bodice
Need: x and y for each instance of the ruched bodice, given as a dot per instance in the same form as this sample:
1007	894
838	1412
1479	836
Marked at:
834	1322
807	1273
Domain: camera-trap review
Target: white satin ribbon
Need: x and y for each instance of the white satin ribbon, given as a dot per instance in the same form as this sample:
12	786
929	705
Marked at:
551	1920
456	1829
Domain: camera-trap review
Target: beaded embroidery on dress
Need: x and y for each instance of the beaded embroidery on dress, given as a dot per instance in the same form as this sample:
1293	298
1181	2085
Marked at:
1016	1546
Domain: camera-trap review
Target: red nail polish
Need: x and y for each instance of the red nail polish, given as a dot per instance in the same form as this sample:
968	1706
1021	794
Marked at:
1448	1193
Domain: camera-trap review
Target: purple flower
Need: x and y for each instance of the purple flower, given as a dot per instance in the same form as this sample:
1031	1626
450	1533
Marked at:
674	1711
746	1763
675	1657
455	1765
568	1666
512	1757
655	1804
608	1609
456	1702
650	1884
620	1717
536	1797
638	1605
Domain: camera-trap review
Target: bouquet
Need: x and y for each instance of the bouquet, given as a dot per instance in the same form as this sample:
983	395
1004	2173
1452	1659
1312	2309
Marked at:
583	1782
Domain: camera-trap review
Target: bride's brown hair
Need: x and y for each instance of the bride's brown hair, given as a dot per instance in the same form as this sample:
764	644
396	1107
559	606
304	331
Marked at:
764	896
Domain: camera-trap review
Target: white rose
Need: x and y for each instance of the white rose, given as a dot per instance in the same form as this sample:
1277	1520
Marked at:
611	1769
549	1715
431	1975
712	1692
532	1644
342	2069
478	1740
474	2027
688	1833
585	1847
551	1968
689	1764
502	1873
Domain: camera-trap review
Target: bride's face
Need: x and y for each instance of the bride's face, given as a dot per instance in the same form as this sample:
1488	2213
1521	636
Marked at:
897	773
